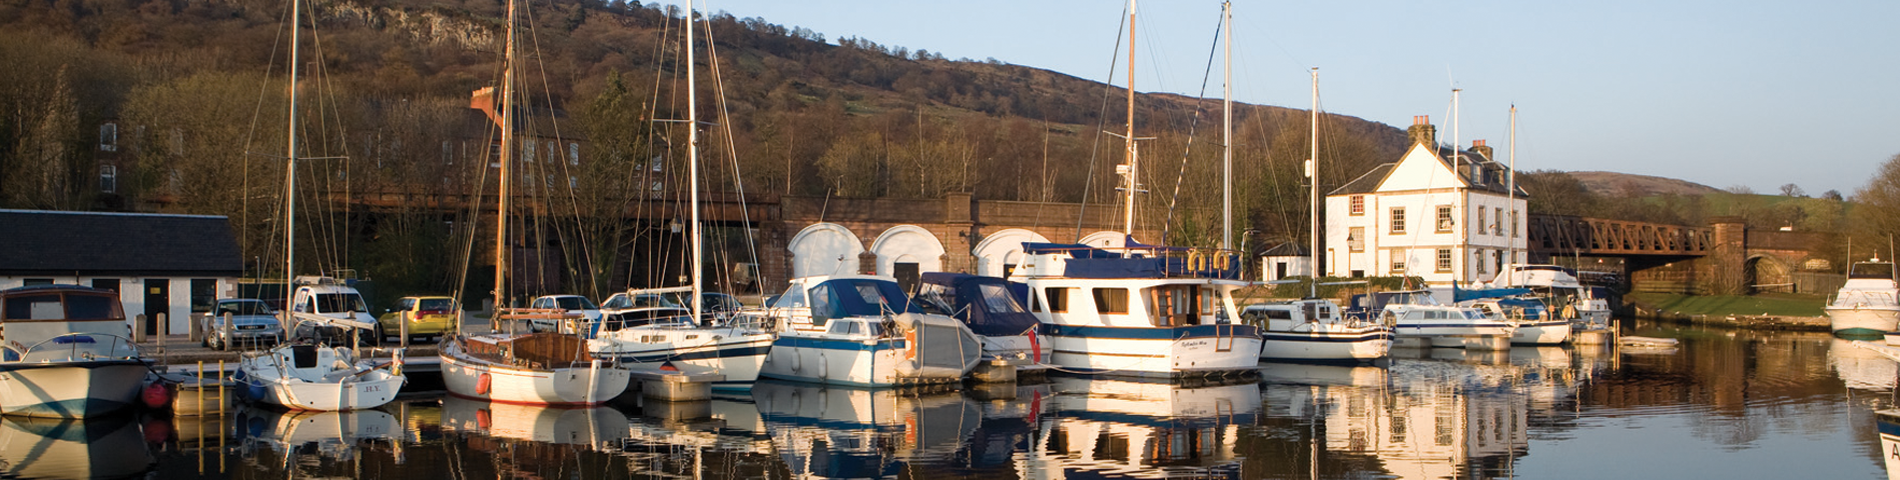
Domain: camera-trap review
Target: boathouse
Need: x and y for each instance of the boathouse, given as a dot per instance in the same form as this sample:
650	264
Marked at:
171	264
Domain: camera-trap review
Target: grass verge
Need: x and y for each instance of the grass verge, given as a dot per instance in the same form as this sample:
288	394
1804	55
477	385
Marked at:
1780	304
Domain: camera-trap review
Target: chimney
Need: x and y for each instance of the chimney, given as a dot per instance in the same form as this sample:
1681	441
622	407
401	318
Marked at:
484	100
1422	131
1482	149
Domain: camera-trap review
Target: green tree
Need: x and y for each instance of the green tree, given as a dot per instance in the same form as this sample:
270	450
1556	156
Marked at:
1876	212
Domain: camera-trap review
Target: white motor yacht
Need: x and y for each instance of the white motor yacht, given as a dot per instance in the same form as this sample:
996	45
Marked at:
1866	304
1312	330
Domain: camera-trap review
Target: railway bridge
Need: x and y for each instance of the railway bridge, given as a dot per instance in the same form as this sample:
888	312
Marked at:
1725	256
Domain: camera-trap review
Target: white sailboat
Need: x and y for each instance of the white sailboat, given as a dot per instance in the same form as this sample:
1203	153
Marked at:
1312	329
734	350
1866	305
526	368
1139	310
307	374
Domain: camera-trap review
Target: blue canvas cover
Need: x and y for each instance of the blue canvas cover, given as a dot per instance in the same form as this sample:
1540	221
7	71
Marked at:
1531	308
986	304
1461	295
859	297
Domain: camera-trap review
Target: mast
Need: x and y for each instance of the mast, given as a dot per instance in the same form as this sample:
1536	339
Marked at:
507	163
290	170
1312	176
692	159
1510	190
1458	234
1128	216
1227	129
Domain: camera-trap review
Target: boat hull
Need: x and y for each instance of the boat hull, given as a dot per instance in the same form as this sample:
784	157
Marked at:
1863	320
1552	332
70	389
1198	350
1356	345
864	363
1453	329
737	355
481	380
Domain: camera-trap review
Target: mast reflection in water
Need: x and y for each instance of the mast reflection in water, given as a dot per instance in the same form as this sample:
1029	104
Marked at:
1721	404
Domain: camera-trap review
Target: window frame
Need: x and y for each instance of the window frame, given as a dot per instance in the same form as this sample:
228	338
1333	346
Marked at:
1358	205
1395	221
1443	221
1111	300
1397	259
1444	261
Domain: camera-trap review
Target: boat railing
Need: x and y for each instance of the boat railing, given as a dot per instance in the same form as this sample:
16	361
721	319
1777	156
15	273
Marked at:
1152	261
75	340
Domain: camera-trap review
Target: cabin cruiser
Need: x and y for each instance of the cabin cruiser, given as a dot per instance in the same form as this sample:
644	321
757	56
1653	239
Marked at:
1312	330
1139	310
1866	304
1565	296
989	307
862	330
1536	325
1416	313
65	354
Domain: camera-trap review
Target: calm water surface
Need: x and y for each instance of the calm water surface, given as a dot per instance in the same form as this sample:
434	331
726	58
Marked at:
1724	404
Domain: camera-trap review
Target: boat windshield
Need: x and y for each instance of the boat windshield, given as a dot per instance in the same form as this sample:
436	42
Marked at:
859	297
1883	271
48	306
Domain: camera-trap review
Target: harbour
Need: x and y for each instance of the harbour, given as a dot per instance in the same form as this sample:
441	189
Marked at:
1722	403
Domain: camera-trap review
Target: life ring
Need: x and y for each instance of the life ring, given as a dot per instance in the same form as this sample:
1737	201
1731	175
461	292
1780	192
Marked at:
1196	260
483	383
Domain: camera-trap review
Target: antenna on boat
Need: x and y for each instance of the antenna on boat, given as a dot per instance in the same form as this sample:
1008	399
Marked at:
1227	128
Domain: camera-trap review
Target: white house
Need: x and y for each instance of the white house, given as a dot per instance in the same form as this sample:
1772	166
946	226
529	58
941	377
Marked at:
171	264
1432	214
1285	260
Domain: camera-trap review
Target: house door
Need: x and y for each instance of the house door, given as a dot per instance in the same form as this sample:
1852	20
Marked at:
907	275
157	294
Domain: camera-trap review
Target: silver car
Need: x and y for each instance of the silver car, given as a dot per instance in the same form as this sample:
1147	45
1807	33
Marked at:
252	322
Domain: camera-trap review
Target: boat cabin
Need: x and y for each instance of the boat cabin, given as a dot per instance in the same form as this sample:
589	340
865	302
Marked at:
812	303
70	317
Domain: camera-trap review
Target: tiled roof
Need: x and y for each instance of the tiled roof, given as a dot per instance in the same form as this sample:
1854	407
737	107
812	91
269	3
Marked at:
38	242
1496	183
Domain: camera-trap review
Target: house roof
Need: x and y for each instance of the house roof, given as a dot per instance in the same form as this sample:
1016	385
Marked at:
41	242
1288	249
1494	178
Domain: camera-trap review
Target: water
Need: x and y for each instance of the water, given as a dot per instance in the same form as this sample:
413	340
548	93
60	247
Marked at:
1724	404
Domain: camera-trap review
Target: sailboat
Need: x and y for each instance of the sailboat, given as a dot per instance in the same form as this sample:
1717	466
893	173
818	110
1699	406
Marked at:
306	374
1311	329
1139	310
734	350
529	368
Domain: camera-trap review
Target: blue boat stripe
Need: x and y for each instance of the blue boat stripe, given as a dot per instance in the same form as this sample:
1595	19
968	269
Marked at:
1154	333
1294	337
694	355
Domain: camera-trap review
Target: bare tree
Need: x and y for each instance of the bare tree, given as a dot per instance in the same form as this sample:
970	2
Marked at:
1792	190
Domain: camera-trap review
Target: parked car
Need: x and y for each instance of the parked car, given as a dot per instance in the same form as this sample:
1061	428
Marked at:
426	317
590	314
341	307
252	322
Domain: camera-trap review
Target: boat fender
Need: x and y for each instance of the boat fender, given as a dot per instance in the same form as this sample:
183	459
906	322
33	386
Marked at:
483	383
483	419
823	371
910	344
156	395
1035	345
798	362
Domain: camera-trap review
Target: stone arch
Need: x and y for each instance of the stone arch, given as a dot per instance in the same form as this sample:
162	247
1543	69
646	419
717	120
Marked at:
1002	249
907	244
1765	270
825	249
1104	238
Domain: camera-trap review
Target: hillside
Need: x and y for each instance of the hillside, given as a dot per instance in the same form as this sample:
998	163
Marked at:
1629	184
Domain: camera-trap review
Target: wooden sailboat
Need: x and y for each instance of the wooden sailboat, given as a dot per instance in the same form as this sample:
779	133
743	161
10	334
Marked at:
526	368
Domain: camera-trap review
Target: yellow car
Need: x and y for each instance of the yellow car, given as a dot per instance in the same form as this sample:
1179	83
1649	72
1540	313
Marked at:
426	316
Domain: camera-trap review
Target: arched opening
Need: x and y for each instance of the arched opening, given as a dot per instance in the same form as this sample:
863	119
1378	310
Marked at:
824	249
1762	273
999	253
906	251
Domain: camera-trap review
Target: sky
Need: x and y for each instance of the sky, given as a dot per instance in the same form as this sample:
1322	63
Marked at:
1724	93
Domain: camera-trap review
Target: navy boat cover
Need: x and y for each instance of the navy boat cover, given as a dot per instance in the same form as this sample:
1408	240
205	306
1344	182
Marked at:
859	297
988	305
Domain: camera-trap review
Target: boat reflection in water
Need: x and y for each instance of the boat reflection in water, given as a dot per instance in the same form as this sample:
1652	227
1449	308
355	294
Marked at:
1435	413
593	427
1137	429
1861	367
105	447
308	443
829	431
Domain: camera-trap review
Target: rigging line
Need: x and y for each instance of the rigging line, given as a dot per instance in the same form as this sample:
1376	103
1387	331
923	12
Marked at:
547	90
326	98
250	135
1193	124
725	116
1108	87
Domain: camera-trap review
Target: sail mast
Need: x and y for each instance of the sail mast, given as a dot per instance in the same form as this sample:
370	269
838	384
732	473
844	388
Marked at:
290	170
1312	177
1128	215
1227	129
692	159
1510	190
502	203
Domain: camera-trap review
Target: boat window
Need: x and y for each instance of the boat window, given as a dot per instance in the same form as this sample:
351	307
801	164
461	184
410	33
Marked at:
840	328
619	300
792	298
1111	300
1474	315
35	307
869	293
875	329
340	302
1415	315
1278	314
1175	305
1058	299
820	304
1311	310
996	299
1882	271
88	307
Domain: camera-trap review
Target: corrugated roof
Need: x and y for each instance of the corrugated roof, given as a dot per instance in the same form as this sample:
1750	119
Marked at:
40	242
